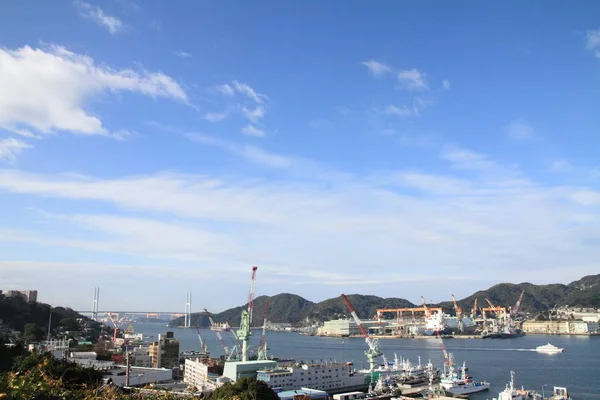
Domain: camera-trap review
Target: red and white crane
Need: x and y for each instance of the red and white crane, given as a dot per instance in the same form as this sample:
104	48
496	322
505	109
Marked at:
114	318
223	344
202	344
374	349
517	306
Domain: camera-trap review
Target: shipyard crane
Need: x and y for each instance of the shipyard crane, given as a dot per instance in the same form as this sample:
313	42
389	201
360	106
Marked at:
203	348
459	314
114	318
244	332
262	348
223	344
474	310
517	306
425	307
235	336
374	349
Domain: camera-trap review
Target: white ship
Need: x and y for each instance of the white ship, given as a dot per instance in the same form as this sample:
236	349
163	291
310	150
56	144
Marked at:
220	327
548	349
457	385
511	393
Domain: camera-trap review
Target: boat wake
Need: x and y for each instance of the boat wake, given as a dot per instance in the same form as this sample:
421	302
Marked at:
490	349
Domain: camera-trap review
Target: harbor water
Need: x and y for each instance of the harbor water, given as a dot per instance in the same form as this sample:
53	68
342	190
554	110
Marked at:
577	368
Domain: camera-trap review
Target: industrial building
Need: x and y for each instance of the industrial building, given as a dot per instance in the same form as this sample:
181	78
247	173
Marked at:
27	295
235	370
164	353
346	327
139	376
561	327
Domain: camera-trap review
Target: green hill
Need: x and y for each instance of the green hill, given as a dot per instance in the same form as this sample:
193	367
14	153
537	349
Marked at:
296	310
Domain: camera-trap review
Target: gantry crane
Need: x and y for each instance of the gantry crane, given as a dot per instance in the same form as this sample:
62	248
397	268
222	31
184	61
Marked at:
374	350
459	314
223	344
425	307
262	348
244	332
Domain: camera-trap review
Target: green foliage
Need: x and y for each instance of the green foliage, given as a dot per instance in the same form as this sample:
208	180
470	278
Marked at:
244	389
32	333
16	312
9	354
70	324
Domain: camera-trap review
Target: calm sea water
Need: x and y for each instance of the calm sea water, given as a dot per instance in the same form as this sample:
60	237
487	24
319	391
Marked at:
578	368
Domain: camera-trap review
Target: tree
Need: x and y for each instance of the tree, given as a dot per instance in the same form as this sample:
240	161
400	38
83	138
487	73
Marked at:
32	333
70	324
245	389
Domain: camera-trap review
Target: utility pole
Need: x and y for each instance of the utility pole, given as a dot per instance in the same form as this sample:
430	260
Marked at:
128	368
49	323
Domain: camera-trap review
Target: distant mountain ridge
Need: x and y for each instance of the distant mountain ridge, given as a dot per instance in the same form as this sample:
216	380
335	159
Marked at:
294	309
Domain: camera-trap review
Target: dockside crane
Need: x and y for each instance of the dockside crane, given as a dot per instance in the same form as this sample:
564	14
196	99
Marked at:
517	306
262	348
425	307
244	332
374	350
235	336
459	314
474	310
223	344
203	348
114	318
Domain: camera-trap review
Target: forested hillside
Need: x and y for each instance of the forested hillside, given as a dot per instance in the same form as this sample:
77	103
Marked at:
294	309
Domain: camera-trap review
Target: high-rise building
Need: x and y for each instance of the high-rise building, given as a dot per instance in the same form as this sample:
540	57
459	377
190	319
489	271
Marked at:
165	352
27	295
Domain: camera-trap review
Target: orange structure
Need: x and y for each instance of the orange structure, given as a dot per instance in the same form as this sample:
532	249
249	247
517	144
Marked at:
425	310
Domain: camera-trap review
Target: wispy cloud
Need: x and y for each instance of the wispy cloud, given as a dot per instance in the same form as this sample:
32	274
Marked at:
412	79
183	54
402	111
251	153
560	165
466	159
10	148
58	105
520	130
95	13
254	114
593	41
446	84
376	68
214	117
251	130
247	91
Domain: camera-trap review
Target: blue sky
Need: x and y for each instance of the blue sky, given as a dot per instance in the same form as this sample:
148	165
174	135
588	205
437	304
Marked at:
397	149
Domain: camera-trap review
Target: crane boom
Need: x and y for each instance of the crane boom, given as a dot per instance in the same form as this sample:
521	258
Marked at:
223	344
457	308
425	307
116	324
358	321
261	347
518	305
235	336
490	303
202	344
474	311
251	293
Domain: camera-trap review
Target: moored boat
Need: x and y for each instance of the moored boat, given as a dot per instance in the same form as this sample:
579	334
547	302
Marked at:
458	385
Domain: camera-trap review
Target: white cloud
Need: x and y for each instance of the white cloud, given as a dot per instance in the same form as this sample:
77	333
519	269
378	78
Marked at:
247	91
183	54
251	153
402	111
46	89
412	79
23	132
446	84
376	68
95	13
215	117
586	197
254	114
519	130
593	41
467	159
560	165
226	89
10	148
251	130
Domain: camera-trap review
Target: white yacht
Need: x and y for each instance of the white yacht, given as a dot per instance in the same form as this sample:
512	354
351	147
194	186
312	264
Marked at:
548	349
